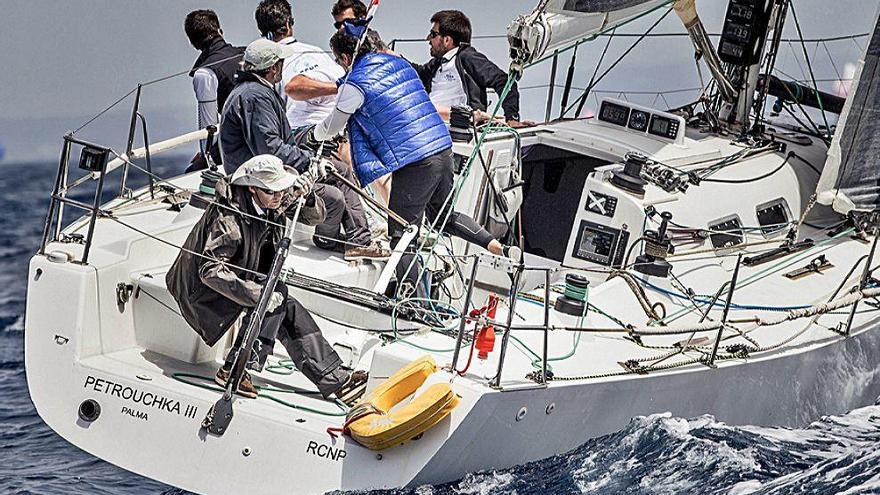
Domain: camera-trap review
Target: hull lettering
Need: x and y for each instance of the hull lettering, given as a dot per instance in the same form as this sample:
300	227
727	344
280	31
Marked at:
140	398
325	451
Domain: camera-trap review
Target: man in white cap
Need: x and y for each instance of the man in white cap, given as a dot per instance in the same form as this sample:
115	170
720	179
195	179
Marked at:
236	239
255	122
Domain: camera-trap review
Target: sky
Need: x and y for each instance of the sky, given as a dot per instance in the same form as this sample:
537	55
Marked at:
65	60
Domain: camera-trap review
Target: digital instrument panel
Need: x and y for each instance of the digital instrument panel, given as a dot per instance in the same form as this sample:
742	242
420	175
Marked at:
601	204
614	113
642	120
600	244
664	127
742	36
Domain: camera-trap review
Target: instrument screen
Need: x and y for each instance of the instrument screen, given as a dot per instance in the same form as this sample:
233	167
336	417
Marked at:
663	127
600	244
614	113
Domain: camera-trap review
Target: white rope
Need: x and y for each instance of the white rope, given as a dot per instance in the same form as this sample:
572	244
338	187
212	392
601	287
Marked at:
819	309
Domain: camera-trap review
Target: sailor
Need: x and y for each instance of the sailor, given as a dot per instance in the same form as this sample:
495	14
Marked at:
254	123
459	75
212	73
217	273
344	10
307	102
394	128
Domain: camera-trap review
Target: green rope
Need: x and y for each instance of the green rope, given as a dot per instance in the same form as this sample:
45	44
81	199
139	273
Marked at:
182	377
452	198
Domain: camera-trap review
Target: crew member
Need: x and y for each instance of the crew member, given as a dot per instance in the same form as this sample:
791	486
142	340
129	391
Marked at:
212	73
254	123
458	74
307	103
344	10
394	128
236	240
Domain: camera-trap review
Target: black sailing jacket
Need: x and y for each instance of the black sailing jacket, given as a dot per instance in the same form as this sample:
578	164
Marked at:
477	73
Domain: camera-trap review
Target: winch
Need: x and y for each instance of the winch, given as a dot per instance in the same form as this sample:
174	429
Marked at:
630	178
657	246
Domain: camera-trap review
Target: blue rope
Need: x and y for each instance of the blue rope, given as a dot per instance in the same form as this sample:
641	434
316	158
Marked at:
754	307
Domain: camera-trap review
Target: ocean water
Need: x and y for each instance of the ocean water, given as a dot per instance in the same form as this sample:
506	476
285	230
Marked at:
658	454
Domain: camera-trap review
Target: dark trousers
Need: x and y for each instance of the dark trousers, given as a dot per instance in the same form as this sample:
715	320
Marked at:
344	211
310	352
421	188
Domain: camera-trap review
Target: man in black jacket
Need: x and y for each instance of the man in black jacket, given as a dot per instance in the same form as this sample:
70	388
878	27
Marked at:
459	74
218	274
213	72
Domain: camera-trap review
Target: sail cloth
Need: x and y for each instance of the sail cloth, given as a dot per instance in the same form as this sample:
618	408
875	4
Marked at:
851	178
557	23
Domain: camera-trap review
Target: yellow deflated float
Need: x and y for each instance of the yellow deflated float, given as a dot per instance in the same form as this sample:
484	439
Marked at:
376	424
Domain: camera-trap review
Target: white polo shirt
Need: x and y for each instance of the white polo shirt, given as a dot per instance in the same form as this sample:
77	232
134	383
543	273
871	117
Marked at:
314	63
446	87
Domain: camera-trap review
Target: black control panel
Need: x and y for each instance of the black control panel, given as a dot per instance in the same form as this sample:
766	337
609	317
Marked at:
664	127
600	244
601	204
614	113
640	120
742	37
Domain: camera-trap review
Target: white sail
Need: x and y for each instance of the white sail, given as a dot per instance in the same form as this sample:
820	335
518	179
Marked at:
556	23
851	178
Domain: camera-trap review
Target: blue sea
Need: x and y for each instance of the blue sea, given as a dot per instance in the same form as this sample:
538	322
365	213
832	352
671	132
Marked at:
659	454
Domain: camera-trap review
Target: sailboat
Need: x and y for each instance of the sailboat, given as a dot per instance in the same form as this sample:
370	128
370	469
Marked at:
699	260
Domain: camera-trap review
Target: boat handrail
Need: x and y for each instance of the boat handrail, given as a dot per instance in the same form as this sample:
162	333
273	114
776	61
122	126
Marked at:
154	149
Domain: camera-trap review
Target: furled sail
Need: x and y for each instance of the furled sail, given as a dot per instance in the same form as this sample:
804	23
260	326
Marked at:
851	178
556	23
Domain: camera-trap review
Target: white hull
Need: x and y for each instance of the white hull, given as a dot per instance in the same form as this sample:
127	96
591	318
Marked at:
163	441
80	344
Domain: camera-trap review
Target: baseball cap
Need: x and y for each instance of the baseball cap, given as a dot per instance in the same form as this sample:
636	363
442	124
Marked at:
265	172
262	54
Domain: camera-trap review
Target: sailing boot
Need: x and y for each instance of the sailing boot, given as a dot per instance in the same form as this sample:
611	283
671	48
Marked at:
352	390
245	386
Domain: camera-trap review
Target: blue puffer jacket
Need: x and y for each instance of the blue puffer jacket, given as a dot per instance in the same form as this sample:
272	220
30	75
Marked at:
397	124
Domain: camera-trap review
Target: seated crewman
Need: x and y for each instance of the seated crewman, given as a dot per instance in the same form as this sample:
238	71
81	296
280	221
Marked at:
235	239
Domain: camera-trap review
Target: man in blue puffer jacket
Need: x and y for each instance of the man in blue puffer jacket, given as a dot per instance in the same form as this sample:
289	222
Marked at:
394	128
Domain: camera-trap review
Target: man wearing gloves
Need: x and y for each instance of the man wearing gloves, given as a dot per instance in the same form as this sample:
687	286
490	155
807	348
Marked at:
218	272
255	123
394	128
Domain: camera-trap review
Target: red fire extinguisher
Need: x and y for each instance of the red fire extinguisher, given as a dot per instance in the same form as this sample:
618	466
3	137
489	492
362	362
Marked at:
486	338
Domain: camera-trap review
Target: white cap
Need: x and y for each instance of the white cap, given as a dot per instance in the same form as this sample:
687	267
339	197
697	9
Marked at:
265	172
262	54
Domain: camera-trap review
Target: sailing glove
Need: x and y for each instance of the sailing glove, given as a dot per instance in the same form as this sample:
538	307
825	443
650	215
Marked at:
275	300
311	143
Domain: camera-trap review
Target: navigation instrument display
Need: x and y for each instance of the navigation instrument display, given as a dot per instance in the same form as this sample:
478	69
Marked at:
614	113
663	127
638	120
600	244
641	120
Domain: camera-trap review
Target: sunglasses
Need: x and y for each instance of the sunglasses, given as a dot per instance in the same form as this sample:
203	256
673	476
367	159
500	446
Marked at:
433	34
269	192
